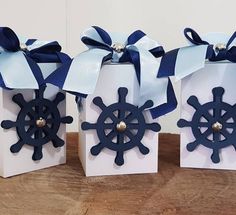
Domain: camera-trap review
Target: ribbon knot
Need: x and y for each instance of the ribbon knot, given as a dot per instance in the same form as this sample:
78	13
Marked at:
19	58
23	47
189	59
118	47
81	74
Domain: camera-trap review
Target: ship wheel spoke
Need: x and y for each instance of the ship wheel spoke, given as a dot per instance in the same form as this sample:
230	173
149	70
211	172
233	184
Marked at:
216	136
204	124
130	117
31	113
225	133
114	118
129	134
49	120
226	116
230	125
217	113
31	130
29	122
46	112
208	117
206	133
111	135
133	126
108	125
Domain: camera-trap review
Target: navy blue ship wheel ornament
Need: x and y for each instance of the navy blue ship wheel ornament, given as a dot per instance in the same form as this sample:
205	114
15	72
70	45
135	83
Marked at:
213	124
38	122
120	126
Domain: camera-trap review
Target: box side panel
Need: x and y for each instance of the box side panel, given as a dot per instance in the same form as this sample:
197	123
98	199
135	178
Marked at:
201	84
21	162
110	79
1	134
82	136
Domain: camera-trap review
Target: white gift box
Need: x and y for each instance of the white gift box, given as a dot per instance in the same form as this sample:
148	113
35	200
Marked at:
111	78
200	84
21	162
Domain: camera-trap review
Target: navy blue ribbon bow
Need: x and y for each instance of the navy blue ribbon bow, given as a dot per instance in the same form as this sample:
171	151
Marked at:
127	55
79	76
29	53
215	51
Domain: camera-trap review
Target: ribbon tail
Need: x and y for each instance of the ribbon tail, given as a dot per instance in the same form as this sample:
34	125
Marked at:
167	107
36	71
16	66
151	87
82	75
167	66
141	41
63	57
2	84
58	77
189	60
135	59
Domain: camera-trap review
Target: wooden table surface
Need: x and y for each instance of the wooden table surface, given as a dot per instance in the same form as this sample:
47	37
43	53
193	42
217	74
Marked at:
65	190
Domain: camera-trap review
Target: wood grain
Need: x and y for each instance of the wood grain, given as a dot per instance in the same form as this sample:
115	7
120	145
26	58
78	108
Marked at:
65	189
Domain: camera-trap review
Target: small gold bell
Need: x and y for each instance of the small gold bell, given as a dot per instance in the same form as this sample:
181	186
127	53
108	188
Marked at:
220	46
217	126
23	47
118	47
121	126
40	122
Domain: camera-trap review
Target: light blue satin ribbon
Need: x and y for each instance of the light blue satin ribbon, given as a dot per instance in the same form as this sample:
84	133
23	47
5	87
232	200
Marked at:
14	68
84	70
16	72
192	58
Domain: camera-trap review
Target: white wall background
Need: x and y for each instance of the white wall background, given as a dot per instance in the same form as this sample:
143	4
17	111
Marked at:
64	20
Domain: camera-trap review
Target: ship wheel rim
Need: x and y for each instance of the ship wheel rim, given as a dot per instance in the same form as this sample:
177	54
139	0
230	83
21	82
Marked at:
116	107
24	112
205	140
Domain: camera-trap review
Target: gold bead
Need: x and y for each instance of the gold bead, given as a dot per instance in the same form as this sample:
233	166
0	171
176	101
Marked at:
40	122
220	46
23	47
217	126
121	126
118	47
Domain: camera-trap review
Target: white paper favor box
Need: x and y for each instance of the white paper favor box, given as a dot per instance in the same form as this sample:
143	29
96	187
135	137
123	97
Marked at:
18	117
215	85
116	82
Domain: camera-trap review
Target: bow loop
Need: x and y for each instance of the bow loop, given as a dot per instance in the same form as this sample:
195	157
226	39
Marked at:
135	37
139	40
9	40
231	39
48	52
194	38
96	37
231	54
104	35
48	48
